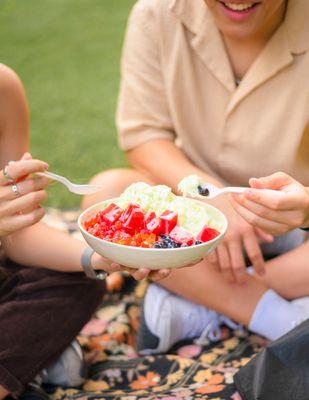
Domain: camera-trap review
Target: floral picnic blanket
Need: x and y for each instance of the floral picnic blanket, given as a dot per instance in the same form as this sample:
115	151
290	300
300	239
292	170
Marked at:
187	372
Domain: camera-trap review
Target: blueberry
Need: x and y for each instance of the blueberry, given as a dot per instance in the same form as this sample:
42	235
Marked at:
198	242
203	191
165	237
166	242
158	245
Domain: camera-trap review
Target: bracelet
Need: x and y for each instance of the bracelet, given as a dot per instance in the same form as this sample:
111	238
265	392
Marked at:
86	264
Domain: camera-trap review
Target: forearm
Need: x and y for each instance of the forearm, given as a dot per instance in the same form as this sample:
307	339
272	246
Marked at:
162	161
44	246
288	273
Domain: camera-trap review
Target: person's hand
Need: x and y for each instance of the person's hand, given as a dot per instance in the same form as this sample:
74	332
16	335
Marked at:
276	211
240	238
21	195
101	263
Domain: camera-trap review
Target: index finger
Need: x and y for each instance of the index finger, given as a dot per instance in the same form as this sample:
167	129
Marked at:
254	253
273	199
19	169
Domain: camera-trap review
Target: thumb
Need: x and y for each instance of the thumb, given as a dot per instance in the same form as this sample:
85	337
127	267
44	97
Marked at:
26	156
274	181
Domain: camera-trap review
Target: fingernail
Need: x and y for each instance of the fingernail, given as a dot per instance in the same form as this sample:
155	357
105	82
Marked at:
46	166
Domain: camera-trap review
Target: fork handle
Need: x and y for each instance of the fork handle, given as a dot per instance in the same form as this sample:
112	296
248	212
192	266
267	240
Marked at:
50	175
234	189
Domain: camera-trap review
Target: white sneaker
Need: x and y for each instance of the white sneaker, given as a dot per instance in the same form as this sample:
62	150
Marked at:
69	370
167	318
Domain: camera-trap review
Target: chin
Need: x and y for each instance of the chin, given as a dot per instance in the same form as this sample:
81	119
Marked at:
237	32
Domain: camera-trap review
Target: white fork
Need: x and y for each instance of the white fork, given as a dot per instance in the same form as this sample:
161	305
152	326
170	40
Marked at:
73	187
211	191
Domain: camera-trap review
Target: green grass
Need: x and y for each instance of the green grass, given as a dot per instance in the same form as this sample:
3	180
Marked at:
67	53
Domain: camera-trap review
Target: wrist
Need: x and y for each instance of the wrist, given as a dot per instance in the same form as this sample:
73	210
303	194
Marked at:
88	262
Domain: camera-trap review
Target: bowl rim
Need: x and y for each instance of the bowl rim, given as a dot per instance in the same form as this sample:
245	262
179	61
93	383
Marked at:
152	249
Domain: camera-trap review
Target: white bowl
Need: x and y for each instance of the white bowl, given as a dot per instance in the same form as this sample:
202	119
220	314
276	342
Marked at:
137	257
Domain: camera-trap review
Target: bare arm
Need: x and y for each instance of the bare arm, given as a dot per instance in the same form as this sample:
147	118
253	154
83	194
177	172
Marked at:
43	246
163	161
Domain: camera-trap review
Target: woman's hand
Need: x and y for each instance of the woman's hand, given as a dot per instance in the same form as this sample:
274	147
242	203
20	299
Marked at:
21	195
100	263
240	239
278	211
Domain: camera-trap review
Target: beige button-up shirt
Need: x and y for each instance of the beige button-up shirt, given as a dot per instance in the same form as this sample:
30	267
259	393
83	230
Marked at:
177	84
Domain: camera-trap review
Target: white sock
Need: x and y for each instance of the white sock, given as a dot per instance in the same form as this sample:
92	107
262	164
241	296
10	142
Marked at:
274	316
173	318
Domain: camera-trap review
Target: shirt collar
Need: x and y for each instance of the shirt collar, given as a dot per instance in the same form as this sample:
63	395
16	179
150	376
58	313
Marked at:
290	39
297	26
193	13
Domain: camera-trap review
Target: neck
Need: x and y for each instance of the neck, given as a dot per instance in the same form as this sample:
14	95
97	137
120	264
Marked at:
243	51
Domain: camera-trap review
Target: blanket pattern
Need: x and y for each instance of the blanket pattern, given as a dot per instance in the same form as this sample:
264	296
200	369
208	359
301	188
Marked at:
189	371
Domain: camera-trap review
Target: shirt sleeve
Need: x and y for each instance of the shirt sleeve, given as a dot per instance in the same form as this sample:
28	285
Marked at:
142	113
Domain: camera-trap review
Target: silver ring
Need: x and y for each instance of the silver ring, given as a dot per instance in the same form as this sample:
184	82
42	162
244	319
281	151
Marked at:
15	190
7	175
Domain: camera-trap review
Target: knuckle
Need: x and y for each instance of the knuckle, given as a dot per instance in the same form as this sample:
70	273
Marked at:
277	203
238	268
30	185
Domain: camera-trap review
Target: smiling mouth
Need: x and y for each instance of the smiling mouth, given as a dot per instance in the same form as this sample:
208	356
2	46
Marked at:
238	7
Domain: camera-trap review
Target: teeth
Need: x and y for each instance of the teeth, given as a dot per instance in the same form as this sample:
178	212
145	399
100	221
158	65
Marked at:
238	7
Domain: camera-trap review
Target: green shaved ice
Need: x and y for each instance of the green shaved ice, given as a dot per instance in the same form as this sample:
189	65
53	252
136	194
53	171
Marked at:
192	215
188	186
149	198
